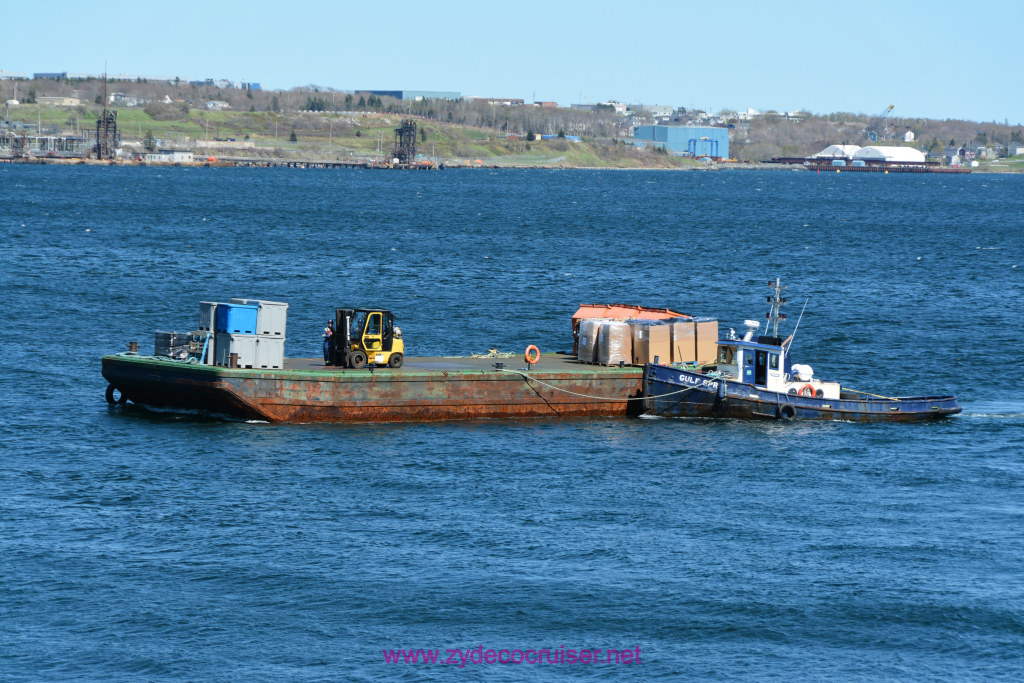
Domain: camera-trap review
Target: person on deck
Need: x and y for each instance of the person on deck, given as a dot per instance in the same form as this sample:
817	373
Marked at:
328	342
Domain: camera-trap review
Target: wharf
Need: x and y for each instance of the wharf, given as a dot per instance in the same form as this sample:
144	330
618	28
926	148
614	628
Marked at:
825	164
424	389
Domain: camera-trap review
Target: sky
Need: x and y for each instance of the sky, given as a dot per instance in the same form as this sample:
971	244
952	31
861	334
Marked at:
939	59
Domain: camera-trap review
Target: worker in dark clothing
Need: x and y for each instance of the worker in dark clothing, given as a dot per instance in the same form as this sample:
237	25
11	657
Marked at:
329	342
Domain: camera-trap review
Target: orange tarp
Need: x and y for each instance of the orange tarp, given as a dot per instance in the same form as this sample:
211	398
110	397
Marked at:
624	312
619	312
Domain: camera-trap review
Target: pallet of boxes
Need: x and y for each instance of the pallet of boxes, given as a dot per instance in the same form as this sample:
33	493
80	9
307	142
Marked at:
243	333
636	341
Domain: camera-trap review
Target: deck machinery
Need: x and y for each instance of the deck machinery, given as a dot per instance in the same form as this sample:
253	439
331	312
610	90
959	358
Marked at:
366	336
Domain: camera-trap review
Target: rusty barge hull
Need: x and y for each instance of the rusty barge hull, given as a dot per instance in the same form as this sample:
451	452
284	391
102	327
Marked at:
423	390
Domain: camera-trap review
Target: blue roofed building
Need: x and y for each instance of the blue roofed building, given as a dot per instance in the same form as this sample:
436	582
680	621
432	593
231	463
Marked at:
685	140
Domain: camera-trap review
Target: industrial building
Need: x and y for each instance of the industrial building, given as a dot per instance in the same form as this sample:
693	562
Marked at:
685	140
168	156
838	152
24	145
59	101
876	158
415	95
895	155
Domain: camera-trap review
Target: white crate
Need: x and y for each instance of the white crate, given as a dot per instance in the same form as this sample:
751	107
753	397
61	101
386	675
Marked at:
269	352
242	344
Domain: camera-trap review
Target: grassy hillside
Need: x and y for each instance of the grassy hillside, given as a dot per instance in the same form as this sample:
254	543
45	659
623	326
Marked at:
336	136
358	135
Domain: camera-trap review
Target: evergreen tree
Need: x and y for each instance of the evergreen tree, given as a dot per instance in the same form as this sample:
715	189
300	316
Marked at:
293	137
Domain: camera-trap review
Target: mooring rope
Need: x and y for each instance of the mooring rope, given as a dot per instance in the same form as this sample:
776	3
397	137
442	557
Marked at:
596	398
867	393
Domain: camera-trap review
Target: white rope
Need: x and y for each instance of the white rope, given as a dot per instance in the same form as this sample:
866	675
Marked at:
162	359
596	398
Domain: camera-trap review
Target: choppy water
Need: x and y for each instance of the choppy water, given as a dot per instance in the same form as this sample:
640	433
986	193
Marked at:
139	545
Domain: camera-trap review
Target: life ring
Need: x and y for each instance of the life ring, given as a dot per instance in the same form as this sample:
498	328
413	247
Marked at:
120	400
532	354
806	390
787	412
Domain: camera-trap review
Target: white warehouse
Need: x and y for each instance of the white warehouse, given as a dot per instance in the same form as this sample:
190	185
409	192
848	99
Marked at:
899	155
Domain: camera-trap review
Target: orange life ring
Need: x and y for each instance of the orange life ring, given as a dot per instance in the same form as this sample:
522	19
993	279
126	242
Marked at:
532	354
806	390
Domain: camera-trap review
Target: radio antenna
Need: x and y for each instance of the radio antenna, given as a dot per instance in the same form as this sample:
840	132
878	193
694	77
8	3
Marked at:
789	341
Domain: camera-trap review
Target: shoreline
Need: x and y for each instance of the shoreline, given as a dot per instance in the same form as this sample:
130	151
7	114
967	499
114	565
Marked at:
314	163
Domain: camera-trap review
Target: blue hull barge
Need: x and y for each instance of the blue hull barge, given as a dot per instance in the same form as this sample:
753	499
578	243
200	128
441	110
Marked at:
755	379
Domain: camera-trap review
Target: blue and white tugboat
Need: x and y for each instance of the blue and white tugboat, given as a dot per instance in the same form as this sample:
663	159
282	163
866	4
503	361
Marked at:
754	378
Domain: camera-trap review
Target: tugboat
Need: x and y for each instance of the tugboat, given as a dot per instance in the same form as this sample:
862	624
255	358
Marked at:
754	378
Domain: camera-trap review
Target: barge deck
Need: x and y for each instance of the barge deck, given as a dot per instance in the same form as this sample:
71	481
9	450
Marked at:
424	389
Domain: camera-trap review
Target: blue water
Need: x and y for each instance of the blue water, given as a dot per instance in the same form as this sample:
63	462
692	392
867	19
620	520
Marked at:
158	546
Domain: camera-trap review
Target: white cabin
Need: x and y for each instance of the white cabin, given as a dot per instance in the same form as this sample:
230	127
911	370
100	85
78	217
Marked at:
767	366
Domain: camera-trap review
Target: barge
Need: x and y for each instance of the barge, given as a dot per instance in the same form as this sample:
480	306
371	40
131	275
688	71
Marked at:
423	389
234	366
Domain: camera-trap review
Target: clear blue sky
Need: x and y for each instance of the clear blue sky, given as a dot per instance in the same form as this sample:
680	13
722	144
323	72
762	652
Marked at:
937	58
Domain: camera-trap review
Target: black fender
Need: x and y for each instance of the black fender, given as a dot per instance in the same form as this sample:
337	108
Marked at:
120	400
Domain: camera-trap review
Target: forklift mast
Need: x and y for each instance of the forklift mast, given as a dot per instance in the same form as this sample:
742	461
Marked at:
342	336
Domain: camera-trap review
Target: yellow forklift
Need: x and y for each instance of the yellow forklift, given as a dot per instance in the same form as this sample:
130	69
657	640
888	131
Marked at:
365	336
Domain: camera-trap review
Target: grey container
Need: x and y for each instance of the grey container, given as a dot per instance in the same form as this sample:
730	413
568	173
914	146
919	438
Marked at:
242	344
207	315
269	352
272	317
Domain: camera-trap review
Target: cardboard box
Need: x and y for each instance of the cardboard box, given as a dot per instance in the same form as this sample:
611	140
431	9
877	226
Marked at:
640	330
707	340
684	340
660	343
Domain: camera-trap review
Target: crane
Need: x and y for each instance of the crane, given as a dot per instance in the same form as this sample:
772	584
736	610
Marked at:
878	123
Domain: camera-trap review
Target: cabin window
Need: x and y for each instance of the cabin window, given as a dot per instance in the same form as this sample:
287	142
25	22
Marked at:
749	358
374	326
773	361
725	355
358	323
